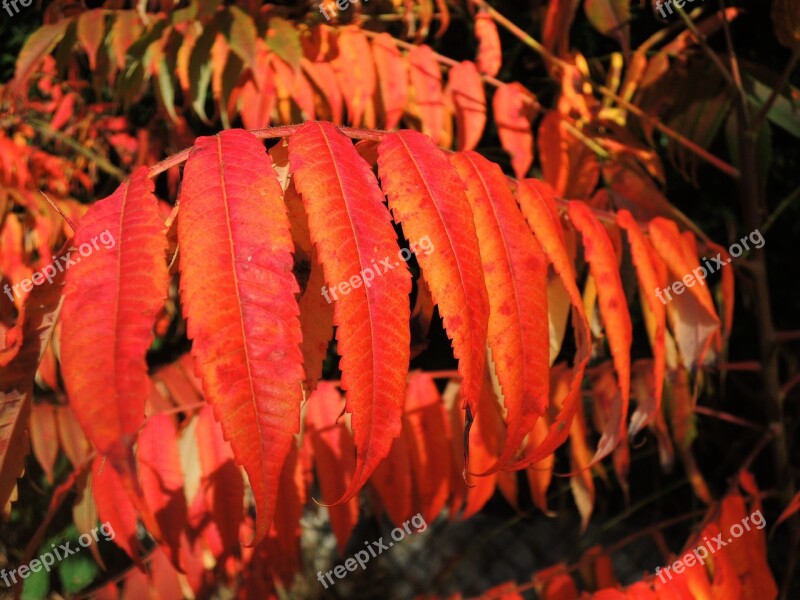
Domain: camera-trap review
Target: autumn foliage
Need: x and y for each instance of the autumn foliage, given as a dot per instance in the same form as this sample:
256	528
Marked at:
260	339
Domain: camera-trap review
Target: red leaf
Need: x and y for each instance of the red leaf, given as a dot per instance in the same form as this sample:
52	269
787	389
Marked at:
655	314
427	197
567	164
426	81
514	108
161	476
114	506
602	260
516	271
392	77
34	329
392	482
355	71
351	230
222	488
247	349
334	458
423	425
465	90
490	55
110	317
791	508
694	318
537	202
557	22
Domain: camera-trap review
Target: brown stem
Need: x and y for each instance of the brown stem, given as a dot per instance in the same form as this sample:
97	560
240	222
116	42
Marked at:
723	416
754	210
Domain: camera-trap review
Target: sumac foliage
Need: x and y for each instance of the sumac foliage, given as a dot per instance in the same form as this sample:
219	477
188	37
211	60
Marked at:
237	337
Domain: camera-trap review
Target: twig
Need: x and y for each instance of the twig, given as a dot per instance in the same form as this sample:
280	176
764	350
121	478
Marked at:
784	204
787	71
723	416
732	58
713	57
102	163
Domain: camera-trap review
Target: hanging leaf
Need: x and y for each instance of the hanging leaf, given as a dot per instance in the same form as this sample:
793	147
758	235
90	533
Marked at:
428	97
490	55
369	287
514	109
108	400
602	260
247	350
516	271
466	93
427	197
392	71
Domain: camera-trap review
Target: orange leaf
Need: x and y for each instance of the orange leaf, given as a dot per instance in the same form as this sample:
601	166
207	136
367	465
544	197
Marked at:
355	70
316	313
557	22
258	99
516	271
334	458
537	202
648	283
465	91
600	255
162	478
91	30
247	349
426	80
693	315
44	436
35	327
351	230
108	399
221	485
114	506
567	164
791	508
392	77
490	55
423	424
427	197
392	482
514	108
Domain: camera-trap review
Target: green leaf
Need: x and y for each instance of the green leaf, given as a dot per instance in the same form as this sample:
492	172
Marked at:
36	586
242	35
39	45
759	85
611	18
284	40
77	572
200	70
